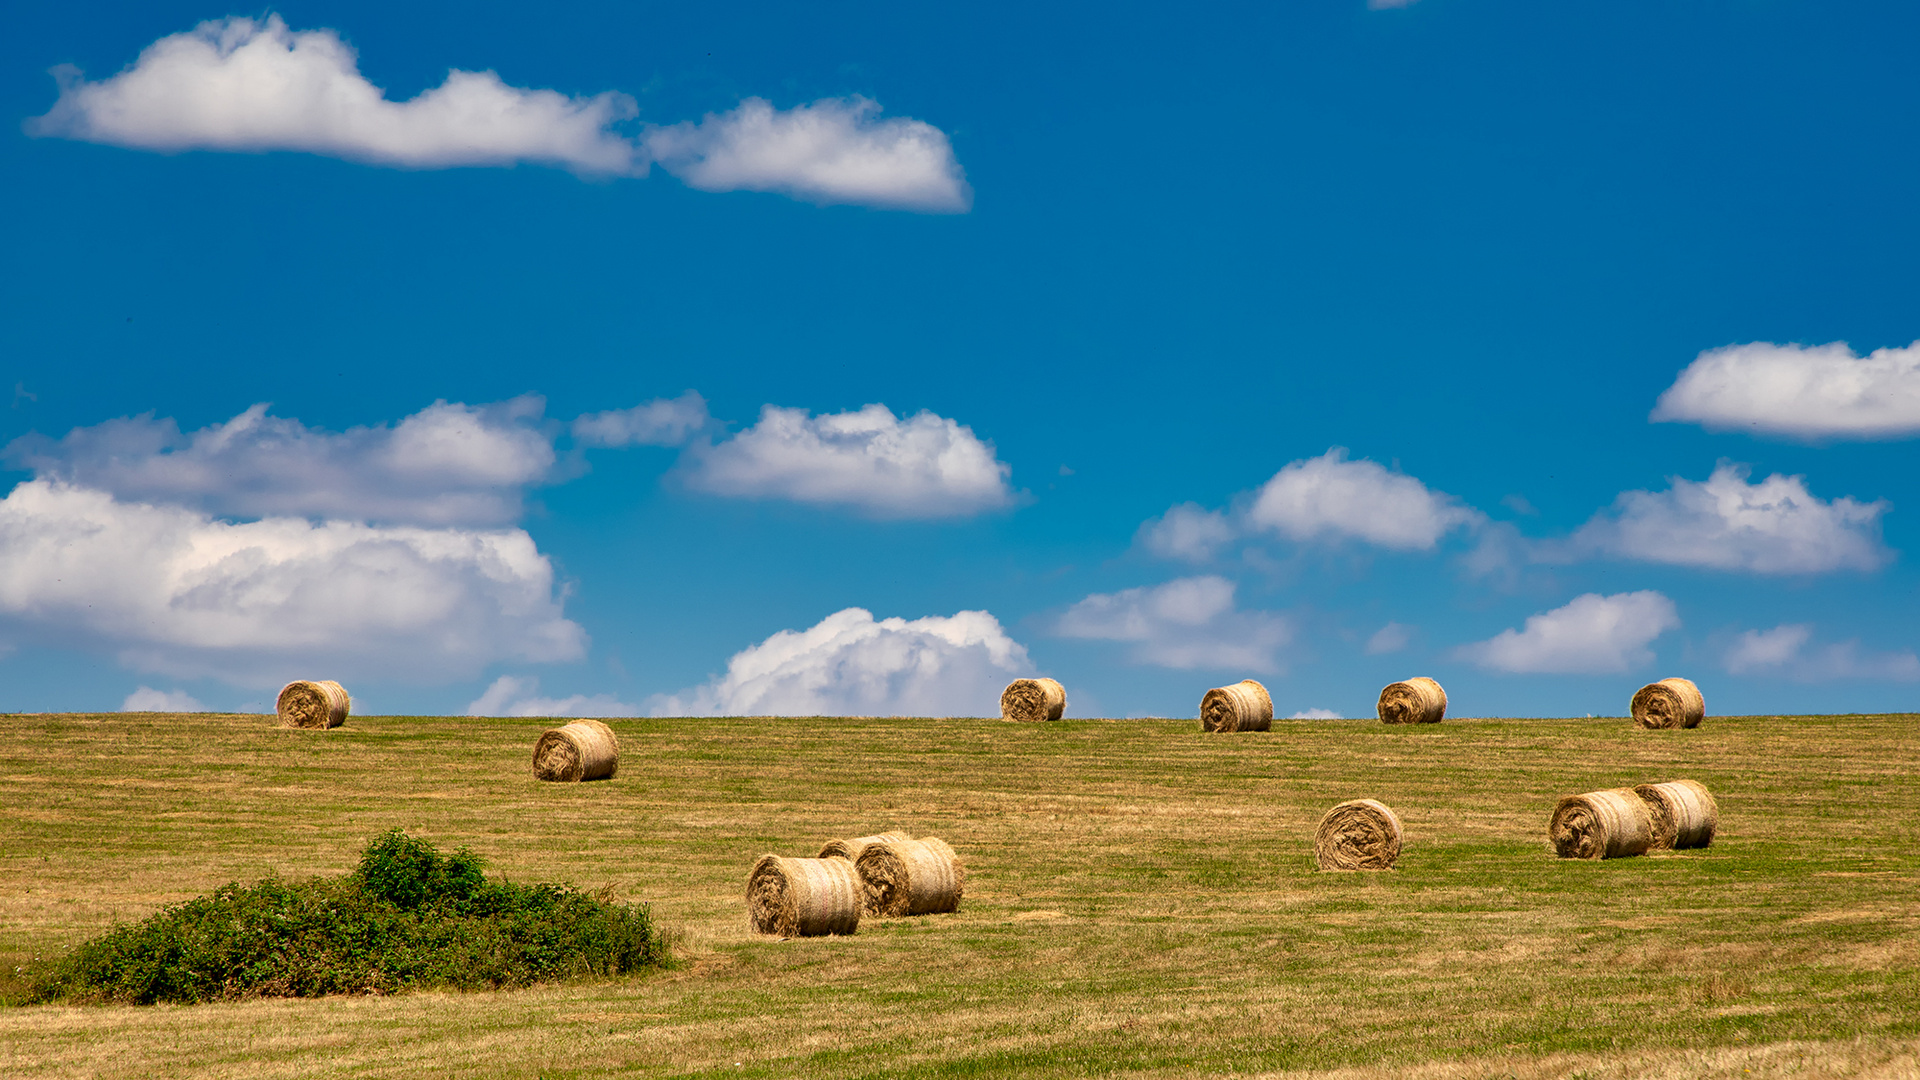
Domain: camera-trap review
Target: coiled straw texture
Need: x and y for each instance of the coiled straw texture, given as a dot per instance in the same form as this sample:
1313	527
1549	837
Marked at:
850	849
582	750
1030	700
1363	834
319	705
1681	813
803	897
1419	700
911	877
1669	703
1244	706
1608	824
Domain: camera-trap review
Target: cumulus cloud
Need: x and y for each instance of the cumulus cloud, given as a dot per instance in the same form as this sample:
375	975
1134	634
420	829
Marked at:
1783	651
511	695
1775	526
177	591
1186	623
835	150
1807	392
1592	634
1188	531
925	466
1329	497
661	422
849	664
147	699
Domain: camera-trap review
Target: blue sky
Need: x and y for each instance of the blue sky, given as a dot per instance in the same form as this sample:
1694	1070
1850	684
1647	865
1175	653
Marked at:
858	358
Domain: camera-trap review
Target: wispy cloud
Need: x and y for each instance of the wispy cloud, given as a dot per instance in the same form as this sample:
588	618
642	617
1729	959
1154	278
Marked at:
1806	392
1186	623
1784	651
147	699
1591	634
511	695
661	422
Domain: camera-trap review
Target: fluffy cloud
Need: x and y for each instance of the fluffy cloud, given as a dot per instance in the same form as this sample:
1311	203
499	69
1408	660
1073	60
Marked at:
1808	392
850	665
1593	634
1389	639
925	466
147	699
511	695
1185	623
661	422
1188	531
1315	714
1775	526
1783	651
177	591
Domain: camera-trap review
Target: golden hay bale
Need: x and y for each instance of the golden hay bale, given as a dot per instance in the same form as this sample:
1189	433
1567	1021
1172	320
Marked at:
1669	703
582	750
1419	700
850	849
911	877
803	897
1033	699
1244	706
1600	825
1363	834
1682	813
321	705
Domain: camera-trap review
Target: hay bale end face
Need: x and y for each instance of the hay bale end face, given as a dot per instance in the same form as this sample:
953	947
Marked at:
1418	700
1681	813
1244	706
850	849
1608	824
1363	834
1669	703
1031	700
582	750
317	705
910	877
803	897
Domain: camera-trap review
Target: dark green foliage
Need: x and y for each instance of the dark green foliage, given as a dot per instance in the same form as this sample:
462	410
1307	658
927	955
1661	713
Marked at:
408	917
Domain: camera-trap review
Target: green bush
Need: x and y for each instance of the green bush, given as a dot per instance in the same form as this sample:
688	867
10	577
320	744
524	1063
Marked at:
408	917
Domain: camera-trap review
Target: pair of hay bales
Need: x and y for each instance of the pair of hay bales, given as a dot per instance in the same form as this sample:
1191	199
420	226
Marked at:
1669	703
581	750
314	705
1619	822
890	874
1033	701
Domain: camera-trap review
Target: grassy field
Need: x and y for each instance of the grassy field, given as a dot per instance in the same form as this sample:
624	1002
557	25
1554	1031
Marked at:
1141	897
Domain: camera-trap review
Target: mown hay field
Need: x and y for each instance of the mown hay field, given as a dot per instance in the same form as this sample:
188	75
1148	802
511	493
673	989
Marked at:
1141	897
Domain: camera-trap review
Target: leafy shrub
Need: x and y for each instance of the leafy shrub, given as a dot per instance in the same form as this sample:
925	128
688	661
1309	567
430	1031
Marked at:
408	917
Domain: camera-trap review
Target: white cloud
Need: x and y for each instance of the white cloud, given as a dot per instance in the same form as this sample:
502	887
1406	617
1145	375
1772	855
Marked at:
1782	651
1186	623
836	150
448	464
1388	639
1775	526
511	695
1387	5
1808	392
147	699
850	665
1188	531
1315	714
925	466
241	84
1592	634
1329	497
176	591
660	422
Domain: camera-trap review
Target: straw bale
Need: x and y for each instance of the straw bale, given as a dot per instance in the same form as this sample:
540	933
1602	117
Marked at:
1682	813
1669	703
1362	834
319	705
1600	825
1418	700
1244	706
850	849
803	897
911	877
582	750
1033	700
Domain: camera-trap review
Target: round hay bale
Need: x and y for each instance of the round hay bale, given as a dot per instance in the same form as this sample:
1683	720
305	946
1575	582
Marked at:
318	705
910	877
1600	825
1363	834
1682	813
1033	700
1669	703
850	849
1244	706
1418	700
803	897
582	750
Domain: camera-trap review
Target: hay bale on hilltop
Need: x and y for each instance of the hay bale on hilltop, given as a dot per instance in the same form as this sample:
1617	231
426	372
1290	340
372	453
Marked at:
910	877
1669	703
1681	813
850	849
1362	834
1608	824
1244	706
803	897
318	705
1418	700
582	750
1029	700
